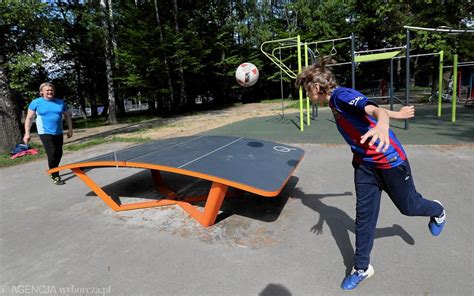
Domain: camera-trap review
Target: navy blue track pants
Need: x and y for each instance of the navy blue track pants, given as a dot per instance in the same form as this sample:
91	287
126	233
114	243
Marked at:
399	185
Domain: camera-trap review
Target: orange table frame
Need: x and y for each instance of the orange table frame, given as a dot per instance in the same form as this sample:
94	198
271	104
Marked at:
214	199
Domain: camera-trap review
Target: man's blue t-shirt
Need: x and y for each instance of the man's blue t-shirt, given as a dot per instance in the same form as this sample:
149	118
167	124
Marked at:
48	115
352	122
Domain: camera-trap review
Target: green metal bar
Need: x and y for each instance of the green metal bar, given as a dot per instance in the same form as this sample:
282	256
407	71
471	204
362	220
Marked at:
277	61
376	56
455	88
283	47
324	41
330	40
292	73
281	65
440	81
308	121
298	41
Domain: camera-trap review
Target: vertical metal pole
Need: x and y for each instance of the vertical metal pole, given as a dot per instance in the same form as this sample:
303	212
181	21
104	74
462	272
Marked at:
298	43
353	59
455	88
440	82
281	90
308	119
390	90
470	87
407	76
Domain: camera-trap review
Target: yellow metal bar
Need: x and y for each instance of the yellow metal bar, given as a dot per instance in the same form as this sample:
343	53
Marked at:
281	65
298	41
376	56
277	61
294	72
280	40
282	47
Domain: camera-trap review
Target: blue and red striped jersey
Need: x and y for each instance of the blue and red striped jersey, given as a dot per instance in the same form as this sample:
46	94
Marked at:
352	122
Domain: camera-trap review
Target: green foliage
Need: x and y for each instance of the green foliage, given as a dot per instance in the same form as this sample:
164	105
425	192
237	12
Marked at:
24	29
22	69
200	45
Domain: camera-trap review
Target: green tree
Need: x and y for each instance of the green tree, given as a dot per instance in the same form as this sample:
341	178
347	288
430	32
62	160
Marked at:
9	121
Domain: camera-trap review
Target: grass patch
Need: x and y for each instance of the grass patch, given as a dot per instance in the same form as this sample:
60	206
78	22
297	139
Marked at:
293	105
5	160
89	123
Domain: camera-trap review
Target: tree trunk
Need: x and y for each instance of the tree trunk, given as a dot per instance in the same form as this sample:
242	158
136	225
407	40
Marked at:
112	117
399	75
10	126
113	41
79	90
414	72
165	59
182	98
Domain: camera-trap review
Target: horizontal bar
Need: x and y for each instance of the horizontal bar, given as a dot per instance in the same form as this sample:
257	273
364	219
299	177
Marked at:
278	40
463	65
418	55
339	64
376	56
380	49
439	29
378	98
329	40
310	43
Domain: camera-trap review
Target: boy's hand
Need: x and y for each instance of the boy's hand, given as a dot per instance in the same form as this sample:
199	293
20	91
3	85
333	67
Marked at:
379	132
407	112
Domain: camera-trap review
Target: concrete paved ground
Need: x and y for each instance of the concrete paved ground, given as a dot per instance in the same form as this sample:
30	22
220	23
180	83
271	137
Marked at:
301	243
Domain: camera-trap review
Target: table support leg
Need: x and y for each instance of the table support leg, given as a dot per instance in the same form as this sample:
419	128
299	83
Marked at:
207	217
211	209
113	204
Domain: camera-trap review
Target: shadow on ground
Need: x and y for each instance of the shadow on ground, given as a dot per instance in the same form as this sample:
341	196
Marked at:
140	186
340	223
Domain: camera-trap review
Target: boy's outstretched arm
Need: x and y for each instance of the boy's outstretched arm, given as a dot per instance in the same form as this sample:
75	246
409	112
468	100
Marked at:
380	131
405	112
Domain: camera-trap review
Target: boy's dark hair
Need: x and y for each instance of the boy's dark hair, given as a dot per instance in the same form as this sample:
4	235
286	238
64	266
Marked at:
318	73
